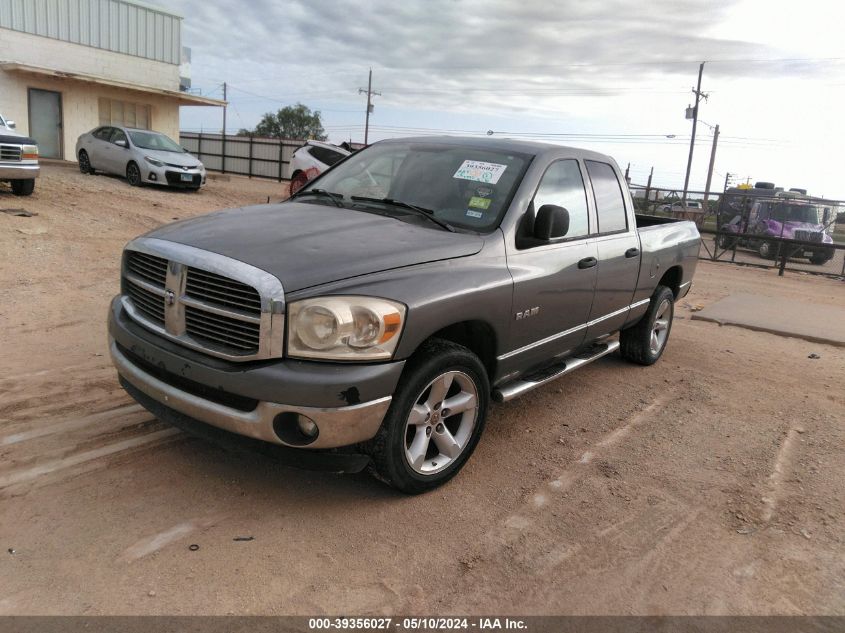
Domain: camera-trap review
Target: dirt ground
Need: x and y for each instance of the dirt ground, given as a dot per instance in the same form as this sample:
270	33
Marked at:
710	483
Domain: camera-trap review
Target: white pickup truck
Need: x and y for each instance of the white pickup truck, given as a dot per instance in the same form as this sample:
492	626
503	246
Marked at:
18	159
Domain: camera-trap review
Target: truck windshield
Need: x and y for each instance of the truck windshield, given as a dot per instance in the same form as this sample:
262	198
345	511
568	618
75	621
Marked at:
796	213
467	187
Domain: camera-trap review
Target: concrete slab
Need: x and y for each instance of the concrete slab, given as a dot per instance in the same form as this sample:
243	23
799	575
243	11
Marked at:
811	322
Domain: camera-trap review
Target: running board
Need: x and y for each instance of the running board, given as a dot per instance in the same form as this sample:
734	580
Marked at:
523	385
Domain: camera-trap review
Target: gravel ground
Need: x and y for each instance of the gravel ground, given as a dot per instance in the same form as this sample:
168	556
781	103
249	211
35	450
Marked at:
710	483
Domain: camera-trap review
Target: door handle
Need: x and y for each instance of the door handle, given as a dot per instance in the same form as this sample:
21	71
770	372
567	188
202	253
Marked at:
632	252
588	262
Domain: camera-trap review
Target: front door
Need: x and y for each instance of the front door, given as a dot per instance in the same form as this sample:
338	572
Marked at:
45	121
553	282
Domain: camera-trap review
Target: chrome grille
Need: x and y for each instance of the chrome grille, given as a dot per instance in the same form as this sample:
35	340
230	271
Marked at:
222	316
808	236
10	152
150	304
222	291
222	330
151	268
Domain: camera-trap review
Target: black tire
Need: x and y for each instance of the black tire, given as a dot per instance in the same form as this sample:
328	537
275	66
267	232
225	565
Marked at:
133	174
636	341
23	187
85	163
726	242
820	259
766	250
297	181
390	448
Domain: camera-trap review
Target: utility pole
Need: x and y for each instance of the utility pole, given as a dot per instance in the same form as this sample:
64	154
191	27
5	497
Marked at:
728	177
370	94
698	96
710	169
223	149
648	188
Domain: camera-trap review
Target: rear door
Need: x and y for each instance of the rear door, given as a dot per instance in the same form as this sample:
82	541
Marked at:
618	250
553	282
97	145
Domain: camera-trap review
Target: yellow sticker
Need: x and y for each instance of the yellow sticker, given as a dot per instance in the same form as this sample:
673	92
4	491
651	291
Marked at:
479	203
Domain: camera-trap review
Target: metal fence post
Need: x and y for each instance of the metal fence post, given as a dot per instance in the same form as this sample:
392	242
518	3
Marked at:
223	154
199	147
249	169
281	153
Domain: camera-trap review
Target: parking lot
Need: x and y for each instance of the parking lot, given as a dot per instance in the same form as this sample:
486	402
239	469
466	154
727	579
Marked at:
709	483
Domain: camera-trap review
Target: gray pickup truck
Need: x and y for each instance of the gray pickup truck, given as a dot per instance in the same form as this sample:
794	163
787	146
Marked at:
370	319
18	159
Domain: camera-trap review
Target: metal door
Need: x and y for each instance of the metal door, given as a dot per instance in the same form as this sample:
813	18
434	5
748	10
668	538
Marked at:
45	121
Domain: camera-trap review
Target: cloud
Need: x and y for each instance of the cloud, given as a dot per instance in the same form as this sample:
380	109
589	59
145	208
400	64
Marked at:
436	54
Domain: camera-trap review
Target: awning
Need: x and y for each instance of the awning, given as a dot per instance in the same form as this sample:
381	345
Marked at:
182	98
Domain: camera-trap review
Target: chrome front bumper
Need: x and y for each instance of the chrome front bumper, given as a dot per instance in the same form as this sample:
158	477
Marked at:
338	426
18	171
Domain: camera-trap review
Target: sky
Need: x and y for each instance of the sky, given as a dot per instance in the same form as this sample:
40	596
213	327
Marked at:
615	77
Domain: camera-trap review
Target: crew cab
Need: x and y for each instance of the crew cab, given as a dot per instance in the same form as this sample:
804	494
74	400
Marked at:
18	159
371	319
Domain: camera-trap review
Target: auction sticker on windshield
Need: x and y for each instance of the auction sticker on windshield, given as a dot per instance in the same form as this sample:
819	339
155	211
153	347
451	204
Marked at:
480	172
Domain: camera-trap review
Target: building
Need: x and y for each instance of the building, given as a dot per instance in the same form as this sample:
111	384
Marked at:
67	66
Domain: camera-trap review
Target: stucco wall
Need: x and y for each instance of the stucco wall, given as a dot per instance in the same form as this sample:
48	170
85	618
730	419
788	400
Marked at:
80	107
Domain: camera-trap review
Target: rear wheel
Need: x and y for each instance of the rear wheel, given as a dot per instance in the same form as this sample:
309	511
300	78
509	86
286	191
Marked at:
766	250
133	174
85	163
435	420
644	342
23	187
298	181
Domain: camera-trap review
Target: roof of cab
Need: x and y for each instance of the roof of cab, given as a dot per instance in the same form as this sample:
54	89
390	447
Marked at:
503	144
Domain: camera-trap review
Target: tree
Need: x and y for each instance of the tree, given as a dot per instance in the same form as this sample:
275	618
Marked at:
295	122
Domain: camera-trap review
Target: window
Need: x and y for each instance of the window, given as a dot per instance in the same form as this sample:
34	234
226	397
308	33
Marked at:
104	133
117	135
325	155
610	205
563	185
114	112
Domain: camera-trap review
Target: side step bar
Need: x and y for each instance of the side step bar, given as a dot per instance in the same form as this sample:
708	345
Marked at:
523	385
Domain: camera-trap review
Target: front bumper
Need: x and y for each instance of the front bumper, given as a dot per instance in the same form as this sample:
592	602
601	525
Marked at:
247	398
18	171
172	176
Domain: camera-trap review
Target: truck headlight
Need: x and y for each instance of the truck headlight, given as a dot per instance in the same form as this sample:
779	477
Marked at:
29	152
344	328
154	161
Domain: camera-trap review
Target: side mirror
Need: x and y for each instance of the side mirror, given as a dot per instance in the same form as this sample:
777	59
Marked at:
551	222
11	125
121	143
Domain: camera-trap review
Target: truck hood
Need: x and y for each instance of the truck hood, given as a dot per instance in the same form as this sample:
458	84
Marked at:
311	244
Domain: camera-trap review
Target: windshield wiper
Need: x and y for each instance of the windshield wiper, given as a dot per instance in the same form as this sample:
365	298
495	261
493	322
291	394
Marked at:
334	197
426	213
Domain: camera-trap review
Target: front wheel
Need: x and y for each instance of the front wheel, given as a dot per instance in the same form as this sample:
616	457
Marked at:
644	342
435	420
23	187
133	174
820	259
766	250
